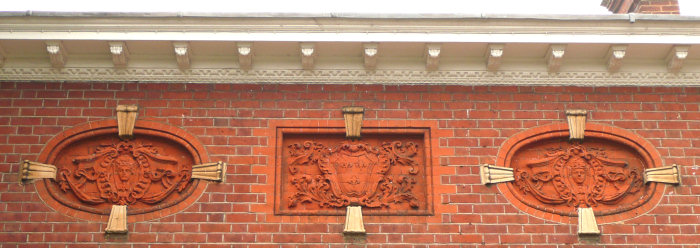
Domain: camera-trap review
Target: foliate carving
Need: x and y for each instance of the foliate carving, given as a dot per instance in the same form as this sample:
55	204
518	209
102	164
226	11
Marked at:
124	173
556	177
577	178
353	173
150	174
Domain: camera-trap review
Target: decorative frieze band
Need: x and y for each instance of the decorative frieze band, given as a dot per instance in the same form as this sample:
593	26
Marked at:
455	77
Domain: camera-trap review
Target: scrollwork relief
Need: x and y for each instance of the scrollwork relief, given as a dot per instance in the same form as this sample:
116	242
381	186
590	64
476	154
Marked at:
577	178
555	177
124	173
353	173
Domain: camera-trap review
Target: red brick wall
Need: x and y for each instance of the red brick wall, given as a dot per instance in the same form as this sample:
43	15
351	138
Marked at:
657	7
642	6
473	122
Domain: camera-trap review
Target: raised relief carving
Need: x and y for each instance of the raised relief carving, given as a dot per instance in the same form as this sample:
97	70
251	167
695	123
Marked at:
151	174
123	174
353	173
577	178
601	179
385	174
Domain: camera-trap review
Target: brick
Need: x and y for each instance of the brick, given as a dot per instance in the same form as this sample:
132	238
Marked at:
232	122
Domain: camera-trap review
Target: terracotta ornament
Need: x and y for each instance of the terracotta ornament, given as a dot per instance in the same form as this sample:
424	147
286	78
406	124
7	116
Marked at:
353	173
386	172
577	178
556	177
151	174
124	173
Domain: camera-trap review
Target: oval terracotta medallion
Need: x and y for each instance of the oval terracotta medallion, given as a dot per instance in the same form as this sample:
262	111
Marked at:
555	176
151	173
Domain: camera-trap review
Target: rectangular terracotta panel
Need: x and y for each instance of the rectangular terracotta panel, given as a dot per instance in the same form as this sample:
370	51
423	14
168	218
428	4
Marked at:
320	172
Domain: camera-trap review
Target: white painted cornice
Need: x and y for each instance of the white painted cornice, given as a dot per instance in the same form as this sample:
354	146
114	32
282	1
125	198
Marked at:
475	49
306	29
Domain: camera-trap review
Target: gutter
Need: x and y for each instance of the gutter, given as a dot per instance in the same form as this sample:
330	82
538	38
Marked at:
611	17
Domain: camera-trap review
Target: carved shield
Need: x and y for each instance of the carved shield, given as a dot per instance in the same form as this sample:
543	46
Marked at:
354	172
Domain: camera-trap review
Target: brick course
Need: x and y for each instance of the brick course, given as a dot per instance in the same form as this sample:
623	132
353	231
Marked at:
233	122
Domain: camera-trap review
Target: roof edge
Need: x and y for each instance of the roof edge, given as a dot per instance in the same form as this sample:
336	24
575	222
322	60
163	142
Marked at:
604	17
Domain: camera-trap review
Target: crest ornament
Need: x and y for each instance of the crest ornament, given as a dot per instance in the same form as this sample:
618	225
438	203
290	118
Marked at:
353	173
603	176
123	174
152	173
578	178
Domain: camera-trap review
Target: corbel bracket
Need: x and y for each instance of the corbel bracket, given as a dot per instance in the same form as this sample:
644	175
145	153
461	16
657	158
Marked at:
182	54
308	53
120	54
494	54
57	54
676	57
615	56
3	56
370	54
117	220
432	55
555	57
577	123
667	174
495	174
353	221
215	171
587	224
353	121
33	170
245	55
126	118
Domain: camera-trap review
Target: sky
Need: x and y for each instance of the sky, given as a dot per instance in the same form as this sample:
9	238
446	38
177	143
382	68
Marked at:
592	7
